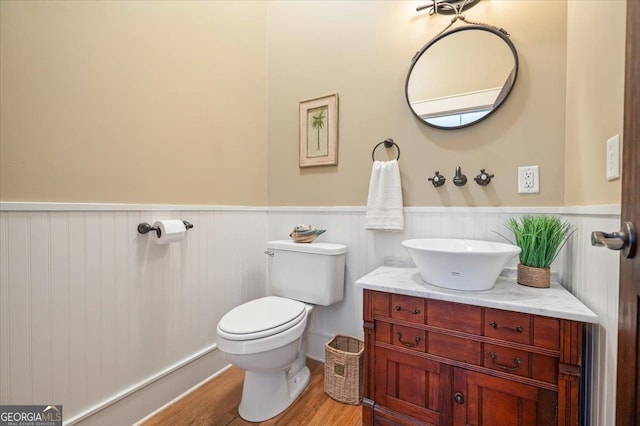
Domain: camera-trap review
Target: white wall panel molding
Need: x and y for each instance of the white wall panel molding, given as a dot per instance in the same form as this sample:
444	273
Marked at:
611	209
424	209
601	210
592	275
107	207
90	309
317	209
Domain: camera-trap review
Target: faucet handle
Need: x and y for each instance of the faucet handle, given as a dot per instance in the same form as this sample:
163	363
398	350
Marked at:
437	180
483	178
459	179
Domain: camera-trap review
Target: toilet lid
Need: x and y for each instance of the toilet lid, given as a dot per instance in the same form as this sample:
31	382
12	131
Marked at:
261	318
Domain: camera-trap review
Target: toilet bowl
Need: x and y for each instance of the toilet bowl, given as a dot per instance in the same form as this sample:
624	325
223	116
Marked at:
269	345
266	336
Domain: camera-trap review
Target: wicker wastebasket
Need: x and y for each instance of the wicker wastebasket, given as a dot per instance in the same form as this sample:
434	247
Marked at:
343	369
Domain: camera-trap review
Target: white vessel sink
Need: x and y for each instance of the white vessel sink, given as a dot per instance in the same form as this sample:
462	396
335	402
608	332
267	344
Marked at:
460	264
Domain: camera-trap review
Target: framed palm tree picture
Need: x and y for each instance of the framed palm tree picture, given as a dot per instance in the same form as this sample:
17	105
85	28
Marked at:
319	131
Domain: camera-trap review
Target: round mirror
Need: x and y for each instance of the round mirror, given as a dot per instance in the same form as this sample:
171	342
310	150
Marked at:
461	76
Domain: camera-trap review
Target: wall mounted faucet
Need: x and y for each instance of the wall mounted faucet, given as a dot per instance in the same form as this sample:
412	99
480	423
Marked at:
484	178
437	180
459	179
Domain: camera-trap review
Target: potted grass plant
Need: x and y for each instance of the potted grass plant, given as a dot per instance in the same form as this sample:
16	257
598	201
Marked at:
540	238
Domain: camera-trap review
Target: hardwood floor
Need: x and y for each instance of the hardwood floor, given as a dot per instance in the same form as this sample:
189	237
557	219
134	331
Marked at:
216	403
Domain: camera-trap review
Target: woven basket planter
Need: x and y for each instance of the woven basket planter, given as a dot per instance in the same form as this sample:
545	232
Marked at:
534	277
343	369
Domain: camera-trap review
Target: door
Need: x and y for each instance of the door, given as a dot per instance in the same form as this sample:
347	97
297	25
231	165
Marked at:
482	400
412	385
628	398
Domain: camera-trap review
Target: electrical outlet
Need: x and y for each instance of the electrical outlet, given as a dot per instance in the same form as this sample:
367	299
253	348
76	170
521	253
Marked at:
528	180
613	158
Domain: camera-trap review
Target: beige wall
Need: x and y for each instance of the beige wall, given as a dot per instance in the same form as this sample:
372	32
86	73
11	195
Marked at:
595	98
134	102
197	102
362	51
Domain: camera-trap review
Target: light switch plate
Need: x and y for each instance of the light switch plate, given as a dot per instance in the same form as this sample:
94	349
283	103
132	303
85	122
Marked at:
613	158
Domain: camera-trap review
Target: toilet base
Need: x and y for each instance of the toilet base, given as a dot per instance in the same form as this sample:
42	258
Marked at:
267	394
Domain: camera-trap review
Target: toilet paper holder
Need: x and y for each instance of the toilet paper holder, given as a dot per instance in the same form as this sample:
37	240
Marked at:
145	228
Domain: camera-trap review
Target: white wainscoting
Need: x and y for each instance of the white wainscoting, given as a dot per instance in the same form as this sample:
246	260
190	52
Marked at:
90	309
592	275
92	313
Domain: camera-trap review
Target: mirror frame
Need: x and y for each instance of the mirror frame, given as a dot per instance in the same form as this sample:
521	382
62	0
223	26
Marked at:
503	35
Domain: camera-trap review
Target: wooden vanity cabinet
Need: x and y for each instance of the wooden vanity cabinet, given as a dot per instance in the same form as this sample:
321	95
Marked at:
431	362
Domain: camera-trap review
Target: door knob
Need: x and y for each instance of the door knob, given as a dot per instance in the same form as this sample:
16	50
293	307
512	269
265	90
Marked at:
624	240
458	398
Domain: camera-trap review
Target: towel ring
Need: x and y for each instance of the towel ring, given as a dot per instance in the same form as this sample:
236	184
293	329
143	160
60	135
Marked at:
388	143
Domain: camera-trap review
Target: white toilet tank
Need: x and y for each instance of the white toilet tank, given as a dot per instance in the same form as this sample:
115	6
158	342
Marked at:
308	272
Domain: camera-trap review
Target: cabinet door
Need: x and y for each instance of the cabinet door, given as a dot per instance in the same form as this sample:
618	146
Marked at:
414	386
480	399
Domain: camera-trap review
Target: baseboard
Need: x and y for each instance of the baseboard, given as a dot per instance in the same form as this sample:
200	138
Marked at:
184	394
316	341
143	399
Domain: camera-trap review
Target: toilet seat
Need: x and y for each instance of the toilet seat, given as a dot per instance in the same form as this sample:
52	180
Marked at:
261	318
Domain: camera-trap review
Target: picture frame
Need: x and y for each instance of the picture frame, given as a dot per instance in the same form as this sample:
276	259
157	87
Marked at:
319	131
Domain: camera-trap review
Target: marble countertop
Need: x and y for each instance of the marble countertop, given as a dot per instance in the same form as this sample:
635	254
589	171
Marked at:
507	294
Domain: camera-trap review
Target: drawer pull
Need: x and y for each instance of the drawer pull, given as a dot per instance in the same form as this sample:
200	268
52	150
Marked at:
458	398
416	311
517	361
495	325
408	344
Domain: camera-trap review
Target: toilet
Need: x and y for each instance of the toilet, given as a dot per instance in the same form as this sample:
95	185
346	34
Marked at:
265	336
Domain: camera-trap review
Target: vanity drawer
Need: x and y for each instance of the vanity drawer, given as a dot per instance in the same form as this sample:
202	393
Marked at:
509	360
379	303
546	332
407	308
401	336
507	326
521	363
383	332
408	337
452	347
454	316
544	368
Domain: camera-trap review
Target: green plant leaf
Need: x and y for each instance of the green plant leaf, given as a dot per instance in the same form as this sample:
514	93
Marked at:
540	238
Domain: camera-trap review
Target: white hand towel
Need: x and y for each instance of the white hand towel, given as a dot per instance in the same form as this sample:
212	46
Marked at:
384	203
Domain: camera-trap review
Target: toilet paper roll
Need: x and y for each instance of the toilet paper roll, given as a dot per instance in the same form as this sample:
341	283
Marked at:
170	231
